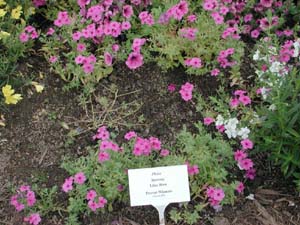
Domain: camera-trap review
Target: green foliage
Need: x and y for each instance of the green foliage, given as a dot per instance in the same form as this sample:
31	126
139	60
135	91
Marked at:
280	134
213	156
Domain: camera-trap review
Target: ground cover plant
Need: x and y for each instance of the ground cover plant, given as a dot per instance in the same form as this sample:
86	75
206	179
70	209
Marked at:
248	49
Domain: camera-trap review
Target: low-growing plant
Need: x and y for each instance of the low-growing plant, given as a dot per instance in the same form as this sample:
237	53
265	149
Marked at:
99	180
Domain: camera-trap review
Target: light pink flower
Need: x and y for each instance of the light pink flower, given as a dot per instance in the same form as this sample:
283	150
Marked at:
134	60
79	178
129	135
208	120
247	144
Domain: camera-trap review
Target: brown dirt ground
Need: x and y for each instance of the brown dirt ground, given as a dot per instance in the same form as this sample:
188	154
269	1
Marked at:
38	134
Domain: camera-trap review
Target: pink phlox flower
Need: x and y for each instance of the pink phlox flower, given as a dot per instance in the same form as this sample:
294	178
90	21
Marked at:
239	155
171	87
33	219
234	102
164	152
79	178
134	60
103	156
91	195
101	202
240	187
108	58
193	62
247	144
192	18
215	72
245	164
155	143
245	100
68	184
127	11
129	135
208	120
250	174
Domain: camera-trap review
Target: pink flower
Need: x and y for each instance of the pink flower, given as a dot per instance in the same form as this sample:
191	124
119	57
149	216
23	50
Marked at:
155	143
103	156
79	178
164	152
129	135
239	155
255	33
101	202
115	47
53	59
218	194
215	72
208	120
266	3
107	58
24	37
91	195
245	100
171	87
68	184
50	31
247	144
193	62
125	25
240	187
186	91
88	68
134	60
191	18
24	188
30	198
234	102
245	164
220	128
250	174
33	219
81	47
193	170
92	205
127	11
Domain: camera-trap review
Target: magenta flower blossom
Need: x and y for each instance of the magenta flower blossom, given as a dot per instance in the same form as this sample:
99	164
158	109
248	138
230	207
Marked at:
215	72
68	184
164	152
245	100
234	102
239	155
171	87
245	164
101	202
155	143
91	195
129	135
103	156
193	62
127	11
247	144
240	187
33	219
134	60
108	58
79	178
191	18
250	174
186	91
208	120
218	194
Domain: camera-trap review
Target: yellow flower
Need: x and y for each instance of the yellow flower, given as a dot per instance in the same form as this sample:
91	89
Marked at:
16	12
2	12
2	120
31	10
2	2
10	97
38	87
4	35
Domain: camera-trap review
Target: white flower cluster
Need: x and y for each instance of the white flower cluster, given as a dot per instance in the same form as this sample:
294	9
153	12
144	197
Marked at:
231	127
279	69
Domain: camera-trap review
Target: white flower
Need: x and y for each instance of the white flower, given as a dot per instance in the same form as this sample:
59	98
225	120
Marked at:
231	133
230	127
272	107
275	67
296	48
243	132
264	92
256	55
219	120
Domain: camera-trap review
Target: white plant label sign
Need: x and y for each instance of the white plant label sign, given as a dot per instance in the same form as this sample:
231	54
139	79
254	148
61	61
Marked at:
159	186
